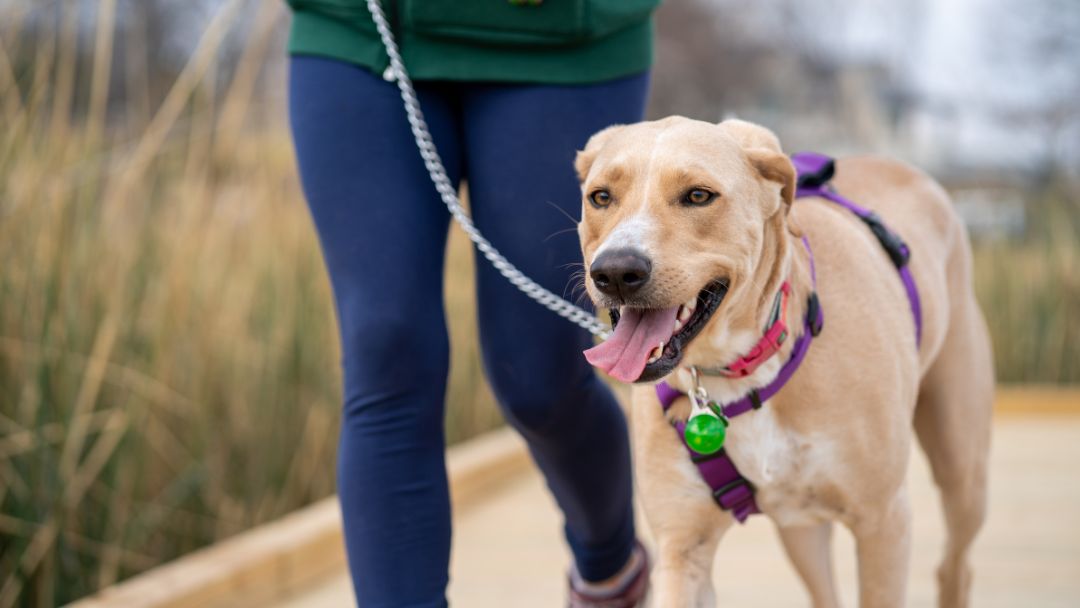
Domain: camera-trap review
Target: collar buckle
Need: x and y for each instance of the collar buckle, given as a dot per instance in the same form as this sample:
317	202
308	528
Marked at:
775	335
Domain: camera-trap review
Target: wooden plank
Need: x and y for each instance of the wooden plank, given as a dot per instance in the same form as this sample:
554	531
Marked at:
1023	400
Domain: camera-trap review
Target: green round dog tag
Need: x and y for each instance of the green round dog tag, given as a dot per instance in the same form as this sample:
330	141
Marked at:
705	433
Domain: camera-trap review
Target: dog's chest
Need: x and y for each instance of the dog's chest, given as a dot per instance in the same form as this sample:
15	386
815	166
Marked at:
790	470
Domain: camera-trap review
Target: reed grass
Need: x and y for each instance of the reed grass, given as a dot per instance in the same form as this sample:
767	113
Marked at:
169	373
1029	290
168	365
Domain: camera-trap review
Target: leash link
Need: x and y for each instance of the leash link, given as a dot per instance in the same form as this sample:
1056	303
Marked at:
433	163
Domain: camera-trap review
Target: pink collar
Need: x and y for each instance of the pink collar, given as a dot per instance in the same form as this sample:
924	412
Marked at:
775	335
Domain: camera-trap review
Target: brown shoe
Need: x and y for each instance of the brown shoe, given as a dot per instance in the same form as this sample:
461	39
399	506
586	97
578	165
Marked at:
629	594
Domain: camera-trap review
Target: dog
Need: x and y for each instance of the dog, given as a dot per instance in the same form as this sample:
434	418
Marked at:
689	229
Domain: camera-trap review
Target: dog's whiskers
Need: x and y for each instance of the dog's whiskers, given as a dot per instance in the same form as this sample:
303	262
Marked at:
576	285
558	232
563	211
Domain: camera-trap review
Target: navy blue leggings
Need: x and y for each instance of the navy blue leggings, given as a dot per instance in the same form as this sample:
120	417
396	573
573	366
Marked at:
383	232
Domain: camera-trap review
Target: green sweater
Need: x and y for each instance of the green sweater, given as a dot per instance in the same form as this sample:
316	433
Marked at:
553	41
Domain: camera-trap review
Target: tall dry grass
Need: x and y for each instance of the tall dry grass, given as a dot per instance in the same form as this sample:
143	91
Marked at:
168	368
1029	290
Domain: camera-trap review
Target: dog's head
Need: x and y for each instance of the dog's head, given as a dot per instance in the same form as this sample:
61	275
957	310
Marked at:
677	220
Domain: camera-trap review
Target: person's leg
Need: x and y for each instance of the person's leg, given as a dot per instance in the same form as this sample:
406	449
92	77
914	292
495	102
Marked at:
520	143
383	234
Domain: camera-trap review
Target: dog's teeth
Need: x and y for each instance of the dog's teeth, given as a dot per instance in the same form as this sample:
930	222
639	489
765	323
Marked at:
678	325
654	356
684	314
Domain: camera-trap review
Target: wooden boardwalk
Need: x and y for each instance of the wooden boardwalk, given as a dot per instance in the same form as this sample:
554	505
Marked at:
508	549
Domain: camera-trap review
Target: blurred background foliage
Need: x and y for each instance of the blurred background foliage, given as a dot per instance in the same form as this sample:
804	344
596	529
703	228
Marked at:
168	367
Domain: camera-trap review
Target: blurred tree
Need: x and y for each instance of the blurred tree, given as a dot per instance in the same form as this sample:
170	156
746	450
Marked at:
151	41
1039	72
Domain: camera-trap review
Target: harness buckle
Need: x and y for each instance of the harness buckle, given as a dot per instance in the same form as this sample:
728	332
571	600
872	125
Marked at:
815	170
741	482
894	246
813	313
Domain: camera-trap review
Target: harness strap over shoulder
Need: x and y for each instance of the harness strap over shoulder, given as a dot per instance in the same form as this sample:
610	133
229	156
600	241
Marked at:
815	171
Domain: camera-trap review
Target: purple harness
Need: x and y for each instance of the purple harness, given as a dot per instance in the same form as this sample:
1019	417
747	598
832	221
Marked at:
730	489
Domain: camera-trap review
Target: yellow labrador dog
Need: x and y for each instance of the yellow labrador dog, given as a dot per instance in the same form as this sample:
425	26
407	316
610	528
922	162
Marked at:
689	229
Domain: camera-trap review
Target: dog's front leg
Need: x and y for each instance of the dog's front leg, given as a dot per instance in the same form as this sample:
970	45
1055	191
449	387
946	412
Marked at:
883	548
683	574
685	521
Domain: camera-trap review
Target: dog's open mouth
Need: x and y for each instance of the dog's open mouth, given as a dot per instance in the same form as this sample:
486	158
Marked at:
647	343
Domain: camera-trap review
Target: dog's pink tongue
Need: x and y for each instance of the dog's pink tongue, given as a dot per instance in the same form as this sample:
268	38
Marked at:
625	353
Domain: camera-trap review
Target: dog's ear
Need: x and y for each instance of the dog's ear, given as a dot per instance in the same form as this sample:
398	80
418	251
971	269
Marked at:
762	147
584	160
775	167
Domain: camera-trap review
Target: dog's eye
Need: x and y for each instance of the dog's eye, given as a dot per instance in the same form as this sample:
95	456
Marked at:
600	198
697	196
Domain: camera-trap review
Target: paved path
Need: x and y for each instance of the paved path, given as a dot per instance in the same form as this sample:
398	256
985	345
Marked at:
508	552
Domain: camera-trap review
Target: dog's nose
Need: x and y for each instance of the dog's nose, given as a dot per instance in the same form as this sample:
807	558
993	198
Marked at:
620	272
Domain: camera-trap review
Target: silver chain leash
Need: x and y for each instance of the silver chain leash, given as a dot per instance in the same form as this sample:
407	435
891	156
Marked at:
433	163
